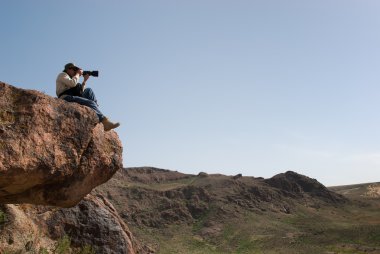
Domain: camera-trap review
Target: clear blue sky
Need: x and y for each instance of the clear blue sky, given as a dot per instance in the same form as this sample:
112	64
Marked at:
251	87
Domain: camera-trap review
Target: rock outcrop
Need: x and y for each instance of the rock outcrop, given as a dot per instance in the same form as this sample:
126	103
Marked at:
92	223
51	152
296	185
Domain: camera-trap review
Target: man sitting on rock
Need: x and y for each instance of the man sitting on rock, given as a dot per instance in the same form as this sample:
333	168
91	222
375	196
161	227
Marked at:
70	90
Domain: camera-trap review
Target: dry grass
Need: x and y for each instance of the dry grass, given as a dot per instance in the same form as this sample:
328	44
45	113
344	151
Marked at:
353	227
347	229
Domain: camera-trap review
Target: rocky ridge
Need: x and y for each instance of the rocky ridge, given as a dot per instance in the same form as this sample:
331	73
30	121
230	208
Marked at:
156	197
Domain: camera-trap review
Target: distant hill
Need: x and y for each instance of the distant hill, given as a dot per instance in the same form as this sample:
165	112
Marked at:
359	191
174	212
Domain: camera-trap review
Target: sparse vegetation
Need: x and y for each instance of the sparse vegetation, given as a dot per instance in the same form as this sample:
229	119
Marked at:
43	251
218	214
247	216
87	249
3	217
165	185
63	245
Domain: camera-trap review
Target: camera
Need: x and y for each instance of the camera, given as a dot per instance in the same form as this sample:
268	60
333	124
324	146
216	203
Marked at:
91	73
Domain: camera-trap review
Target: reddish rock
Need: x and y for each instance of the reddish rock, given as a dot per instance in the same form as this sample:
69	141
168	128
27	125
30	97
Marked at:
51	152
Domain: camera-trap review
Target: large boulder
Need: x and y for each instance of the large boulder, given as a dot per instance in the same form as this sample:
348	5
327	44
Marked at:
94	223
51	152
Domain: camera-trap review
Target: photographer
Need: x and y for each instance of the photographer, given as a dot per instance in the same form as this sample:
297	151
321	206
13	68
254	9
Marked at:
68	89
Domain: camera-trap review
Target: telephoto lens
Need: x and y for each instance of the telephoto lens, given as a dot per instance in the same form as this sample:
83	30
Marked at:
91	73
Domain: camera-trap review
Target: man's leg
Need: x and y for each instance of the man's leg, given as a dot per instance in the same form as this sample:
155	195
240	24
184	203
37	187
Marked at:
86	102
88	93
107	124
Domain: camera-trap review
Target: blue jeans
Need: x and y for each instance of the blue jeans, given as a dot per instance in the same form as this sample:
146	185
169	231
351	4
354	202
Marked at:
88	99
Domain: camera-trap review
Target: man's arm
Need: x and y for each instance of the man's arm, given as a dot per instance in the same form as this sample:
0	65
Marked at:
69	82
85	77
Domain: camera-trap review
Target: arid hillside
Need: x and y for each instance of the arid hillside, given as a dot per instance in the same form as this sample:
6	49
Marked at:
288	213
366	191
150	210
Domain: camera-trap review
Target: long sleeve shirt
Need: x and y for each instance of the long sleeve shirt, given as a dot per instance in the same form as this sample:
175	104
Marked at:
64	82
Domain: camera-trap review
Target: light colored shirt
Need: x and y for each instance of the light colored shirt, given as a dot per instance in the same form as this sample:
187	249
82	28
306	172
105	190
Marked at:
64	82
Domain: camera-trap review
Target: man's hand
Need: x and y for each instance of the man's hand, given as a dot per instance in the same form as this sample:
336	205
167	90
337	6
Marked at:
87	76
80	72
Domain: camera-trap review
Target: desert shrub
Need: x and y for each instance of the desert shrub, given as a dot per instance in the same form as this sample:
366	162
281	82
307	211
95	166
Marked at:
87	250
3	217
43	251
63	245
